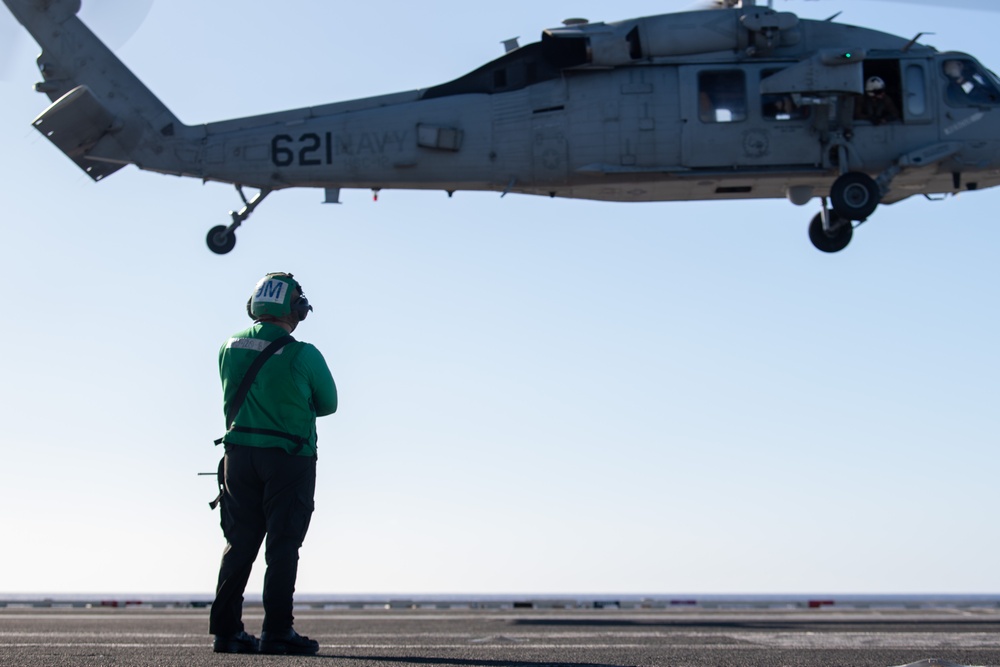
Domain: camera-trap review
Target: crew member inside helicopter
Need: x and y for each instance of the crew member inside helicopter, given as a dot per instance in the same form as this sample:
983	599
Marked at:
966	85
782	107
876	106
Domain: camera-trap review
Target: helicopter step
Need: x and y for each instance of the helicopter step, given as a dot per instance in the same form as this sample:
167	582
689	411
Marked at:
221	239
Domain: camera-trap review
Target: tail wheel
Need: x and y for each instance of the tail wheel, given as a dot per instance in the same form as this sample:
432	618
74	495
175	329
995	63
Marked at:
855	196
220	240
840	234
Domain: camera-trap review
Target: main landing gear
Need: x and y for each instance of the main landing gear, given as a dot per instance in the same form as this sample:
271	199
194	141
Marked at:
222	239
854	196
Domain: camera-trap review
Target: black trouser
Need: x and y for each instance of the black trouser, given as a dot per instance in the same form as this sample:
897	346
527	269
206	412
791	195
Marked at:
268	492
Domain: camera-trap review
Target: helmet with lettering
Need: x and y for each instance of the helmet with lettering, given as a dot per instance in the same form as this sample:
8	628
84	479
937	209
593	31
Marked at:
275	296
874	84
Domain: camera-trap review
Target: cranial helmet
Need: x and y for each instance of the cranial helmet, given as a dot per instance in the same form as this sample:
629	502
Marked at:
275	296
953	68
874	84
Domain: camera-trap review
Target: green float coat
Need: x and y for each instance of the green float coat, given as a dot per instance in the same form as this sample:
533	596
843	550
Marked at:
292	388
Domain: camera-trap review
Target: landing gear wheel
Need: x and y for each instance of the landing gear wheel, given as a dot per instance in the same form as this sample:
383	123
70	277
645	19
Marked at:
855	196
220	240
836	239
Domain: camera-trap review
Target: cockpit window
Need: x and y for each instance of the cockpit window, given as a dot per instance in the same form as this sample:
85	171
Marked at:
968	83
722	96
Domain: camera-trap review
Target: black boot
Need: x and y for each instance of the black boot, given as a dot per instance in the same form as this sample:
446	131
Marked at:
241	642
288	642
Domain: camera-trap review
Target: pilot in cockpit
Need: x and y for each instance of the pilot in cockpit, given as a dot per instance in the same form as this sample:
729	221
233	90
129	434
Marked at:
966	85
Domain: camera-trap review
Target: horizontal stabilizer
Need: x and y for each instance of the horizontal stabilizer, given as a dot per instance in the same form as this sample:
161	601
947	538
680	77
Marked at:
75	123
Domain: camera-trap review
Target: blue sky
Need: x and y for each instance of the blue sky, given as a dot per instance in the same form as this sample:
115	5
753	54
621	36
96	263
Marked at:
536	395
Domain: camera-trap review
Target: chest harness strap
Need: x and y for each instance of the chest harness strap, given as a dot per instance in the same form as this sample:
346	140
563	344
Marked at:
237	403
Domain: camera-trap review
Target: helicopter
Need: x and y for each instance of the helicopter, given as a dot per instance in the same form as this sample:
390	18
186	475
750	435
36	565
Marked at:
736	101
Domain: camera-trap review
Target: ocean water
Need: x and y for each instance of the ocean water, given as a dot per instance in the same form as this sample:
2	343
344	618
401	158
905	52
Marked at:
526	601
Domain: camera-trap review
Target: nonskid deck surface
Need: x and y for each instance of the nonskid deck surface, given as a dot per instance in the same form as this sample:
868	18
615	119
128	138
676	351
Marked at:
824	637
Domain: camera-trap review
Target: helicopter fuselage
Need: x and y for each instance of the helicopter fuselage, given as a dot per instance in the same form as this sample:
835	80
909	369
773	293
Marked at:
687	127
723	104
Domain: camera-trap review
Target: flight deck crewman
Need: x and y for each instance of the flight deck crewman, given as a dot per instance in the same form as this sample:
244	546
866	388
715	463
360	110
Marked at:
269	469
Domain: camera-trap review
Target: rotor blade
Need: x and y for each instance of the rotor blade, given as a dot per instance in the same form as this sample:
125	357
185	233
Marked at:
984	5
11	43
113	21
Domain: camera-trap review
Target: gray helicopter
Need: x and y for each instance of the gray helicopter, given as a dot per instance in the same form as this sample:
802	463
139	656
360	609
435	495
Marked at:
736	102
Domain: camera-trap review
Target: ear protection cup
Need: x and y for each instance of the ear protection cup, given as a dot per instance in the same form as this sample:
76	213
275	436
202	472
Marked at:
301	306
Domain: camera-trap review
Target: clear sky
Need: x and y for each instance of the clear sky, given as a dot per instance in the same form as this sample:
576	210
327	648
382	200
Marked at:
536	395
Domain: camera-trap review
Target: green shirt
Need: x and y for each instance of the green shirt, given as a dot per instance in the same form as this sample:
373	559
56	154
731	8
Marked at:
291	389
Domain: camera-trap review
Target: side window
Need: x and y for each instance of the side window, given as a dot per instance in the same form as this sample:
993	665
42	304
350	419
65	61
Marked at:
722	96
780	106
968	84
916	91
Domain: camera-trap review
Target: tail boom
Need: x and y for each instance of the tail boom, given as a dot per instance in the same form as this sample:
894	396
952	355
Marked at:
102	116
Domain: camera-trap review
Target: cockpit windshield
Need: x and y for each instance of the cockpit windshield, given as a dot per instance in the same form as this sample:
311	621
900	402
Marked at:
969	84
